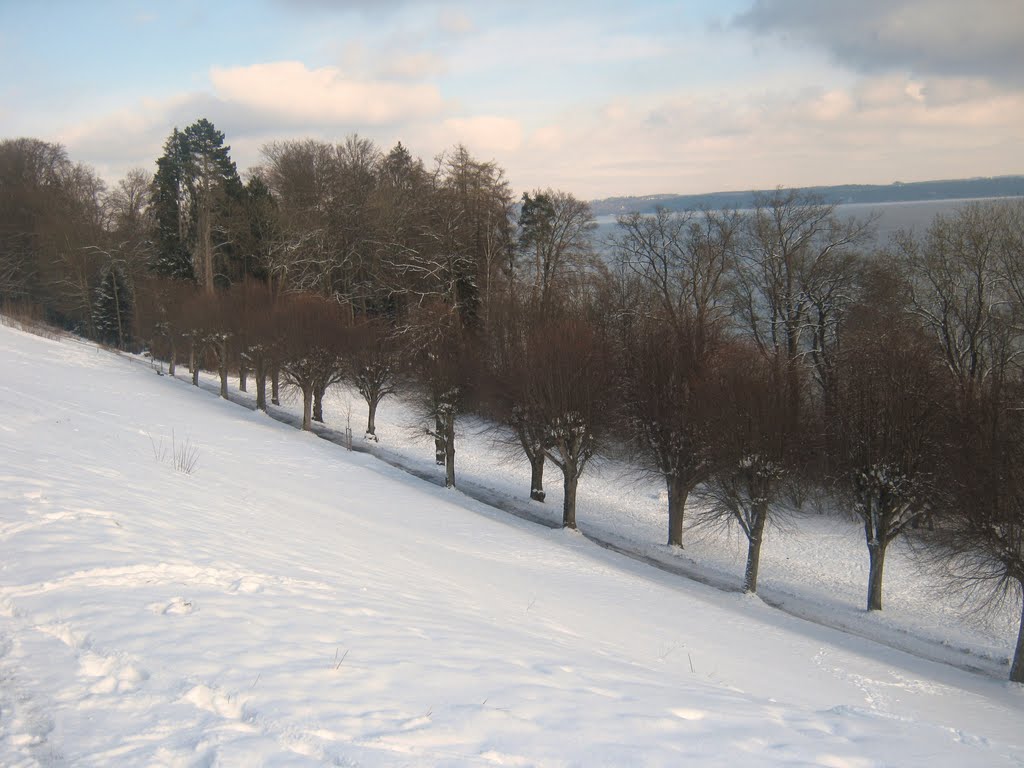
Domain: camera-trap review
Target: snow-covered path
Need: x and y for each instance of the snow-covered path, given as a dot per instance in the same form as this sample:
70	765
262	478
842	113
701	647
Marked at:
291	603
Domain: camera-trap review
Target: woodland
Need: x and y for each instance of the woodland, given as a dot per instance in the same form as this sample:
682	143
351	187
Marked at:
749	358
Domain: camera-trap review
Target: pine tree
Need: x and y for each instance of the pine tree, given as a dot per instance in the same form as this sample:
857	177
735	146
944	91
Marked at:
214	185
194	188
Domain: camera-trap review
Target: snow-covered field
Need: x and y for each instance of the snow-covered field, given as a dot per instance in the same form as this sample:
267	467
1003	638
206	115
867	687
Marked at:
291	603
813	565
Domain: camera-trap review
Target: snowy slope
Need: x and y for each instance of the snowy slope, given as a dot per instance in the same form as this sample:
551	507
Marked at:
813	565
291	603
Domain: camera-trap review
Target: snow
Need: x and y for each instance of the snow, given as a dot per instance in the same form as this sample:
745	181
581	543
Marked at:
292	603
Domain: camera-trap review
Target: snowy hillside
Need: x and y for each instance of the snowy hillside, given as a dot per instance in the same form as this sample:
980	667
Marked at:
291	603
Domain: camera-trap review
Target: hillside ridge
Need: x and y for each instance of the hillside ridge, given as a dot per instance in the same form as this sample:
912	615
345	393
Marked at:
896	192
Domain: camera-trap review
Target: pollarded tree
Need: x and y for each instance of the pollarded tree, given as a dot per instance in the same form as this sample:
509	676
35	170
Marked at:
442	361
568	397
313	343
160	313
890	421
680	265
979	538
508	376
372	367
756	452
673	409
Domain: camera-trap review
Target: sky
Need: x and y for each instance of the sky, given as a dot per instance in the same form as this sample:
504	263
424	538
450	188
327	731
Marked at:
593	97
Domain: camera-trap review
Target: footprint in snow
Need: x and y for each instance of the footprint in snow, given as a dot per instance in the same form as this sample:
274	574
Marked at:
178	606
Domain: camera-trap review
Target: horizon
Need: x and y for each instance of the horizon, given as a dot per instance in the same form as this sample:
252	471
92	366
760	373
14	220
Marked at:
669	98
898	183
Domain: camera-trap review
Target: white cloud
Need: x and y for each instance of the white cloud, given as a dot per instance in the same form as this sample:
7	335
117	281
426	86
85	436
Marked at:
548	137
484	133
875	130
296	93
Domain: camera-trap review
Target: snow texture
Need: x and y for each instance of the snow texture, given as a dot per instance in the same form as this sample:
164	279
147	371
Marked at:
288	602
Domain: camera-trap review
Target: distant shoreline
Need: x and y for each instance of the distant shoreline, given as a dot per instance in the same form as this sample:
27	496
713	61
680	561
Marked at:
954	190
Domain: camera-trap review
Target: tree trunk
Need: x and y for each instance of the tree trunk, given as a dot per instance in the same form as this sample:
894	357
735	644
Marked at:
243	375
754	550
318	404
171	363
206	246
449	452
571	480
876	557
222	365
117	311
439	450
192	356
537	477
371	417
677	494
1017	668
261	387
275	386
307	408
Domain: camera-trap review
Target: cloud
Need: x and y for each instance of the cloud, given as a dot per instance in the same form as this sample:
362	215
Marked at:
938	37
295	93
873	130
253	105
484	133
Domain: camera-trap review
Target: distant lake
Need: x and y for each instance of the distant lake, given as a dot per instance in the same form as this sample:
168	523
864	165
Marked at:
916	215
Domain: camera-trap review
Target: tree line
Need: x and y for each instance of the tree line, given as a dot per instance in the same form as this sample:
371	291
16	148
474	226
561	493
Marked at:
750	359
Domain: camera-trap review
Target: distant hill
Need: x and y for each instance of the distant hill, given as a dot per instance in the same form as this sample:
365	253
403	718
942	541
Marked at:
897	192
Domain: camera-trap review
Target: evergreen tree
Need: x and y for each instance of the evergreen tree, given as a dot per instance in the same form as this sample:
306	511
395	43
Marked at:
113	306
195	187
171	257
214	188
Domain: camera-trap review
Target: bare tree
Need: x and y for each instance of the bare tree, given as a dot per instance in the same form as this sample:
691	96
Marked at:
979	538
889	421
673	409
441	355
569	395
258	338
681	262
300	176
795	248
372	367
555	242
312	330
756	456
961	289
507	397
684	260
